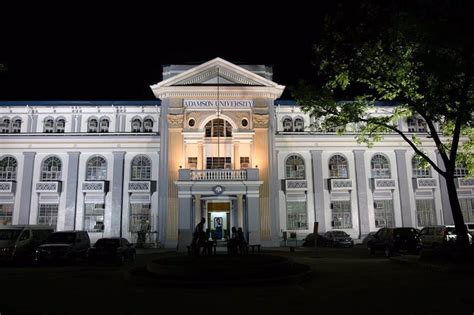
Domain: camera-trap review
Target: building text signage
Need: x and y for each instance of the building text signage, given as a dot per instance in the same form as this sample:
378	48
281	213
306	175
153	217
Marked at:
222	103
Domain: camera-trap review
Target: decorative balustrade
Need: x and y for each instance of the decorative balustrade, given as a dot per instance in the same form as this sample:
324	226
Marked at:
141	186
465	182
214	175
383	183
426	183
7	187
48	187
296	184
340	184
95	186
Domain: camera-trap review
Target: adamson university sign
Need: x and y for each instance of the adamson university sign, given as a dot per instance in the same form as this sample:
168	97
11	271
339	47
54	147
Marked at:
213	103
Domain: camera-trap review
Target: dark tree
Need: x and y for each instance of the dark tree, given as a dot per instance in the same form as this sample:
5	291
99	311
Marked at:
417	54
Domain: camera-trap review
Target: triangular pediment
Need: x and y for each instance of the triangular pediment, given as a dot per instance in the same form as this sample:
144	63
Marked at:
217	71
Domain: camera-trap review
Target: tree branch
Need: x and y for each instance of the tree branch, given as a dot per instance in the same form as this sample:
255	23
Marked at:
415	148
437	140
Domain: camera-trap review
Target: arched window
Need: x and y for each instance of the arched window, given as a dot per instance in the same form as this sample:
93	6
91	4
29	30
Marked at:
299	124
96	168
148	125
287	124
338	167
380	166
419	171
92	125
16	125
295	167
48	125
218	128
136	125
460	170
51	169
104	125
5	125
8	169
60	125
141	168
416	125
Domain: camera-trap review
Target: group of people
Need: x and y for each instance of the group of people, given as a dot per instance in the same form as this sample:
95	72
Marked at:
235	244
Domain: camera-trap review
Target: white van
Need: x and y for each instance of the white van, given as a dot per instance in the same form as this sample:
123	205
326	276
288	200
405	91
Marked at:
19	242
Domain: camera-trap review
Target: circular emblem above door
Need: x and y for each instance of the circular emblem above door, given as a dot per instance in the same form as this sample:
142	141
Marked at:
218	189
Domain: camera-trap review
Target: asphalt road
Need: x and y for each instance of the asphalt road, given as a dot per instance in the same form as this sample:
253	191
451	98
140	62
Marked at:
345	281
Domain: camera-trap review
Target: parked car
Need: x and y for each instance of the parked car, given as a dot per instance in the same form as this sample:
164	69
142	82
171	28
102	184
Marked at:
395	240
309	240
18	242
368	237
439	236
114	249
470	228
63	246
337	239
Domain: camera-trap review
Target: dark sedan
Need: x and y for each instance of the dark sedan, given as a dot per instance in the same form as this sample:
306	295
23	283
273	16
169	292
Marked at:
113	249
395	240
337	239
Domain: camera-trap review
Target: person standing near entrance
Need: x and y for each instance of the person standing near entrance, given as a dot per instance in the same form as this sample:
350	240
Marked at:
218	227
199	236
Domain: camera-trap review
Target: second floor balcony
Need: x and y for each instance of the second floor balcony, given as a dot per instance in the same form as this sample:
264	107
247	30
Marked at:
218	175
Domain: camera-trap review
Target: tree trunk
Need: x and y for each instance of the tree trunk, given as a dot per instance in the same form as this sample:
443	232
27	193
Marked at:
462	240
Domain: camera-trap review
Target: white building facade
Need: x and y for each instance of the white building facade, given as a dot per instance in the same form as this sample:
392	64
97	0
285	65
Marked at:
215	144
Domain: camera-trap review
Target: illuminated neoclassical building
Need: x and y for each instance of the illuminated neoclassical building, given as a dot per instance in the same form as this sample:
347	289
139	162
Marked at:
217	143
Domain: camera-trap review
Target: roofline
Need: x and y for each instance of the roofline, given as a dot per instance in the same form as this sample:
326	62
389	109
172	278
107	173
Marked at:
282	102
80	103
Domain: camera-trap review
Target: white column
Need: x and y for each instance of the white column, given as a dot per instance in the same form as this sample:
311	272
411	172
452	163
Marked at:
236	155
197	207
240	211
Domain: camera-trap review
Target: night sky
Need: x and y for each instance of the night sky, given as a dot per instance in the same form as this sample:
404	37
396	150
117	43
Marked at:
115	53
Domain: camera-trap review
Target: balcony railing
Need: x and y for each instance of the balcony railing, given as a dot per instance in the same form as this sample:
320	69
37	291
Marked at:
383	183
425	183
465	182
340	184
7	187
48	187
95	186
142	186
218	175
296	184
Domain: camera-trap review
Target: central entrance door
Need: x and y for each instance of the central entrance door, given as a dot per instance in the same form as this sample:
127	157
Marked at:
218	216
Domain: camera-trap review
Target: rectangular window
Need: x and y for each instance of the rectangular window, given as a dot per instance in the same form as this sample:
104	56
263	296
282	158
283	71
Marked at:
140	217
297	218
467	209
218	163
192	163
244	162
48	214
6	214
425	212
341	215
338	171
94	217
7	173
383	212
